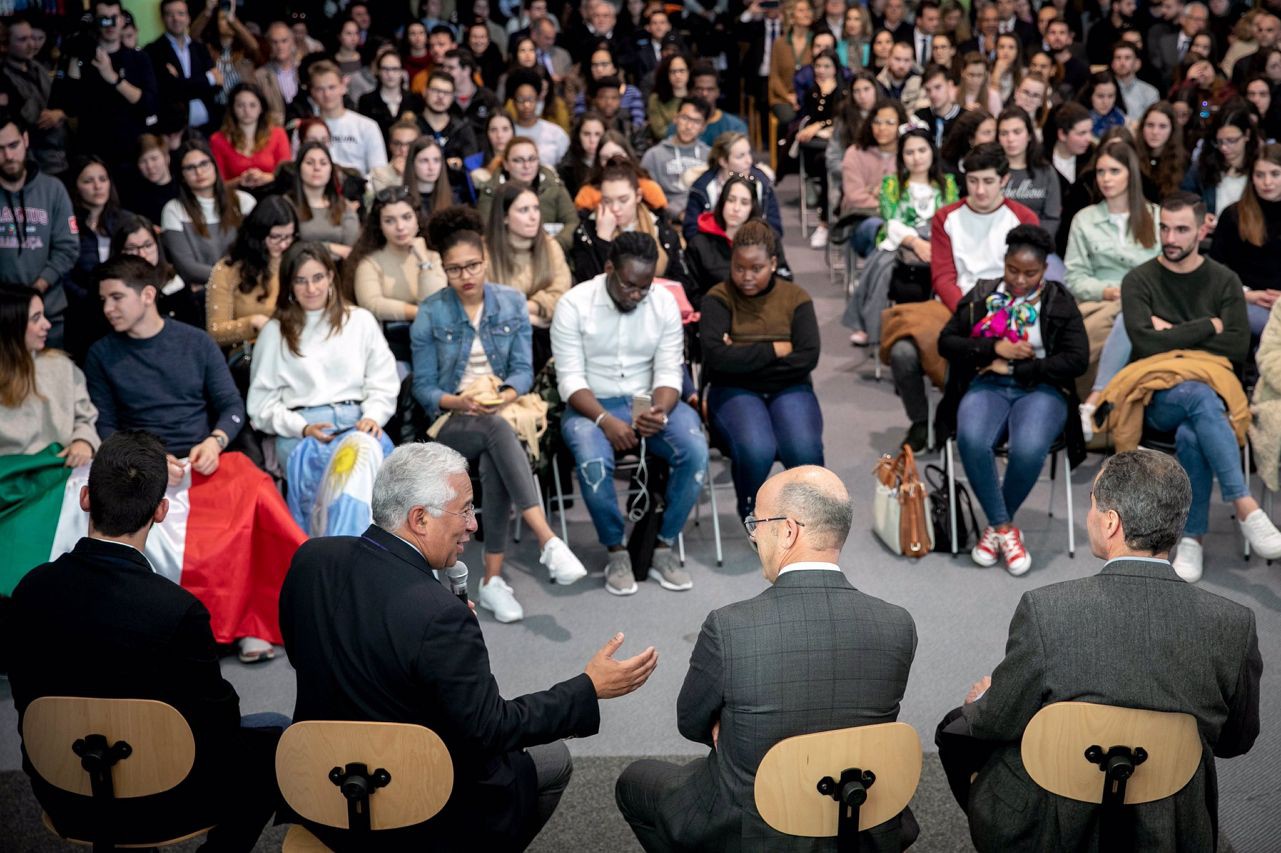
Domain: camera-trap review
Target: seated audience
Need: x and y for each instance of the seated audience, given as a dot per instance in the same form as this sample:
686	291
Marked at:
865	167
522	255
1223	167
1100	96
45	410
760	346
391	101
670	159
967	244
617	336
813	130
600	67
1182	300
1033	182
136	235
428	180
621	211
324	216
614	144
244	287
147	190
522	163
898	79
171	380
250	145
730	154
705	84
323	382
976	92
908	201
430	666
551	139
742	684
1069	135
707	254
314	129
1015	346
603	97
112	626
1007	67
390	269
1247	238
356	141
972	129
97	210
1059	635
584	138
671	87
1105	242
1160	148
400	136
472	362
201	223
942	110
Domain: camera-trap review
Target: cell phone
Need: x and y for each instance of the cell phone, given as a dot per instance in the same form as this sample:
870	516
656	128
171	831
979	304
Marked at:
641	404
106	21
490	401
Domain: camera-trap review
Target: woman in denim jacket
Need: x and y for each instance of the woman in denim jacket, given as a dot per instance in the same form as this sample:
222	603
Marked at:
471	330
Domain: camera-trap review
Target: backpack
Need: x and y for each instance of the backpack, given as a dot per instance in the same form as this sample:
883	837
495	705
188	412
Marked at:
941	515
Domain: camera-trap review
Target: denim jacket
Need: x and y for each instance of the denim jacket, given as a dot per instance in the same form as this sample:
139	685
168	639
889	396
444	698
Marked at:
442	337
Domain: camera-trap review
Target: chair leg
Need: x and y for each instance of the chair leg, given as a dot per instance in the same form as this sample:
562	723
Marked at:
951	491
1054	458
800	168
1071	520
680	547
1245	468
716	518
560	499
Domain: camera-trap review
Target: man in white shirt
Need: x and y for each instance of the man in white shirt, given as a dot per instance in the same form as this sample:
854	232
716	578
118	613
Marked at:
618	345
355	140
1136	94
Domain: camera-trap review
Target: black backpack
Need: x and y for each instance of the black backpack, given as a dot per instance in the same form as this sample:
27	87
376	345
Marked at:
941	516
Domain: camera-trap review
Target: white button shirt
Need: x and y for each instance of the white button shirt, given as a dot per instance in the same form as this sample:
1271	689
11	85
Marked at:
611	353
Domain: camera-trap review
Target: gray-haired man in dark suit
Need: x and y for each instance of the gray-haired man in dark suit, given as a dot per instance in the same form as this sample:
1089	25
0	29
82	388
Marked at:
1134	635
809	654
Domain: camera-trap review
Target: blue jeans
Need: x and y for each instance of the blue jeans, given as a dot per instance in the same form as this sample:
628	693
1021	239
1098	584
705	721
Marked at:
1204	443
759	428
864	236
681	444
1115	354
996	408
342	415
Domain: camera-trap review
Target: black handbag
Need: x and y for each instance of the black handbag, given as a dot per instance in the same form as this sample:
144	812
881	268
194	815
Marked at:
941	516
910	282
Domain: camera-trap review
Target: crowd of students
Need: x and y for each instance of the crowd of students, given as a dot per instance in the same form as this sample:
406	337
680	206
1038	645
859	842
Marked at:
329	234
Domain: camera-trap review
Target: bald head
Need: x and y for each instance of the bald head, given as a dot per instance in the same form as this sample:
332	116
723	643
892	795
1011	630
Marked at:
816	498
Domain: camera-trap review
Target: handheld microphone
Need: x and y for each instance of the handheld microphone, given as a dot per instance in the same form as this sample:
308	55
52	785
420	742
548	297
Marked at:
457	574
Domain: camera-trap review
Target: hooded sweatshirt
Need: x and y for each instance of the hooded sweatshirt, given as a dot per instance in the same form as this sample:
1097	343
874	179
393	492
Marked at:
38	235
667	163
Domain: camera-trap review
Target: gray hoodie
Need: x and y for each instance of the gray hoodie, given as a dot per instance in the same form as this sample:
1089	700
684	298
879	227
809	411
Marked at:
38	236
667	164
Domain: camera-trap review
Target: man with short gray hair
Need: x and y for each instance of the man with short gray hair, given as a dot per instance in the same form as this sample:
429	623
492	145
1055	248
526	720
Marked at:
809	654
375	635
1134	636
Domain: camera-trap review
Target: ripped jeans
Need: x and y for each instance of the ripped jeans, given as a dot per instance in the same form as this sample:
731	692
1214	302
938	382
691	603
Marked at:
682	444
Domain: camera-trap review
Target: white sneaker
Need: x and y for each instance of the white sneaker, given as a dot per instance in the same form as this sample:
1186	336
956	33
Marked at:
1262	534
818	240
496	596
1087	420
565	568
1187	559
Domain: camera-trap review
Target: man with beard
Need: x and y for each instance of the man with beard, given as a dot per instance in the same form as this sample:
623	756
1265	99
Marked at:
618	345
38	237
1181	300
453	132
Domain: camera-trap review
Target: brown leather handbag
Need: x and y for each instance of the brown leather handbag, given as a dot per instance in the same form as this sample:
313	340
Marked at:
901	507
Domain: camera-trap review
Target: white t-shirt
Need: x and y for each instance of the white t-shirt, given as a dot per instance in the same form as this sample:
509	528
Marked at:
173	215
1229	191
552	142
477	362
356	142
1066	167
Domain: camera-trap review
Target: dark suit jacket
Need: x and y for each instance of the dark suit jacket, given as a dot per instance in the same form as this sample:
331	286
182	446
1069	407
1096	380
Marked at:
374	636
176	92
99	622
809	654
1134	635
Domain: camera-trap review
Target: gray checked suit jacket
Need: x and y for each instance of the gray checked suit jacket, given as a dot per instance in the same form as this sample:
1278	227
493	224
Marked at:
1137	636
809	654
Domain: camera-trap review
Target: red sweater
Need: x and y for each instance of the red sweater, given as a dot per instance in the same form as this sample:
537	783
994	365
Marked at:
232	164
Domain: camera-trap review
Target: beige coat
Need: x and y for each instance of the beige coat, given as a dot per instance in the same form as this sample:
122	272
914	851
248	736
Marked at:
387	280
61	412
542	303
1265	431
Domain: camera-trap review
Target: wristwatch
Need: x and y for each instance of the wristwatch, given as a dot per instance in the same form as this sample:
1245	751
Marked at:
221	439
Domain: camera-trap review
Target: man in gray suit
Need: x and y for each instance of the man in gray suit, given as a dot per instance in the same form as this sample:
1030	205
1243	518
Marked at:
809	654
1134	635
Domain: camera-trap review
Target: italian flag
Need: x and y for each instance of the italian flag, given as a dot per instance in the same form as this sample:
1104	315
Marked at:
228	537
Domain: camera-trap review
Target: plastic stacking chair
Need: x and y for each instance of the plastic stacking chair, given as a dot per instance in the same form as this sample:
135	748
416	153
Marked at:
1115	757
839	783
109	749
360	777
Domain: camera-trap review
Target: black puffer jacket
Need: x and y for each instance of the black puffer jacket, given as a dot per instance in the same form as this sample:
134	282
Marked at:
1067	356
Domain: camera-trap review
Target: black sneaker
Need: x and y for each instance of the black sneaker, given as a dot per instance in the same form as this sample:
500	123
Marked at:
918	437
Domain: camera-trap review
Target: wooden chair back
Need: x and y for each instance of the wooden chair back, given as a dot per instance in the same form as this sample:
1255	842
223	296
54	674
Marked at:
787	796
1056	739
422	774
163	747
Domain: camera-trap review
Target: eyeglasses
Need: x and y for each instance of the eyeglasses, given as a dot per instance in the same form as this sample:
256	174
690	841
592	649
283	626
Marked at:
689	118
752	522
392	194
1228	143
135	248
280	239
456	272
523	161
469	514
193	168
446	92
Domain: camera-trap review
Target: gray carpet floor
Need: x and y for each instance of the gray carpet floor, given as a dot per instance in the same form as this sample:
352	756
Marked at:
962	614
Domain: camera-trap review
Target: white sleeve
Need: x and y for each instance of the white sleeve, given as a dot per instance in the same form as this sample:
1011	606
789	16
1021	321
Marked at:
567	348
171	216
669	354
382	382
375	150
267	381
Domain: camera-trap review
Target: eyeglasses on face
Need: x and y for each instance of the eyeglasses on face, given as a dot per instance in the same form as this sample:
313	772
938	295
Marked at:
752	522
457	272
468	513
200	166
392	194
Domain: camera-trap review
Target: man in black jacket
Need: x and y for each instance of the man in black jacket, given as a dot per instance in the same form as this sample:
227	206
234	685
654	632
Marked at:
376	635
109	626
186	76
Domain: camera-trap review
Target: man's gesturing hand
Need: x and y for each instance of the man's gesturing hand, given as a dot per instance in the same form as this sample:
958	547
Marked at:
613	678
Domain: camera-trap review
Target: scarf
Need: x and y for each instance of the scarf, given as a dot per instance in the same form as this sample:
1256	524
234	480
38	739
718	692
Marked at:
1008	316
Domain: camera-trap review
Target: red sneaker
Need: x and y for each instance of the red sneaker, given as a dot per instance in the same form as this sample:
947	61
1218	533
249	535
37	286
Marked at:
988	550
1017	559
